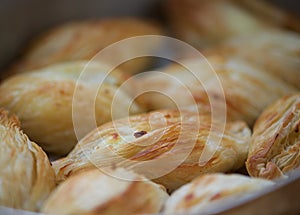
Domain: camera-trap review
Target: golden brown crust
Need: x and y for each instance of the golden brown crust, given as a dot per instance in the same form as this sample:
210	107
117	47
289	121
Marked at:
43	101
247	89
209	191
159	133
274	148
95	192
82	41
27	177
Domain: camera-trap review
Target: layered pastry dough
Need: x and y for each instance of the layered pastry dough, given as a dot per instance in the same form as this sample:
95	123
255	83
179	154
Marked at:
274	149
203	23
27	177
207	193
275	51
165	137
43	101
116	192
83	40
246	89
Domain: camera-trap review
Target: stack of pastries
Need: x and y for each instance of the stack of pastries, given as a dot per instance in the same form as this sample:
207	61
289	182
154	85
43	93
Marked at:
206	132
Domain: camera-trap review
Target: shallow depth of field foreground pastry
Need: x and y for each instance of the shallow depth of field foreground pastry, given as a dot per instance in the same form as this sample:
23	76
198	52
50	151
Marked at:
275	144
26	176
165	137
43	101
208	192
115	192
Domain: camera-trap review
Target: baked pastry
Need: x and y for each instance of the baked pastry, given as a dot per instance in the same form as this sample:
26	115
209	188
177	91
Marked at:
215	82
43	101
204	23
274	148
275	51
83	40
171	147
115	192
206	193
26	177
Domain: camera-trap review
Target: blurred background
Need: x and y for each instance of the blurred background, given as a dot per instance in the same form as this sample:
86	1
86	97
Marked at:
21	19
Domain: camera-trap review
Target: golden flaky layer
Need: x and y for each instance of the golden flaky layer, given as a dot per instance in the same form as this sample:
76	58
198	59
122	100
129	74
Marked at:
43	100
206	193
27	177
83	40
178	147
115	192
204	22
246	89
275	51
274	148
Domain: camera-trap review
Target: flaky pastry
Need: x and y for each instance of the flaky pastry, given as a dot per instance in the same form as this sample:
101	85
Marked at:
26	177
43	101
168	138
274	148
247	89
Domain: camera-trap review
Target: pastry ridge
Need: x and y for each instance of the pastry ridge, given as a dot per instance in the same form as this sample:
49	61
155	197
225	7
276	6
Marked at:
22	162
274	149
